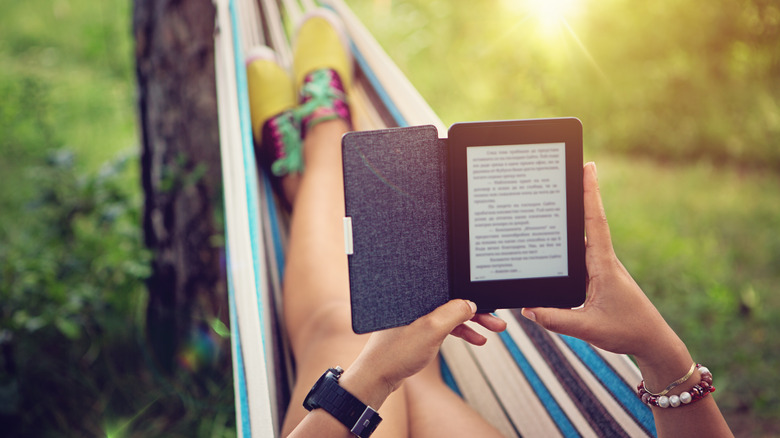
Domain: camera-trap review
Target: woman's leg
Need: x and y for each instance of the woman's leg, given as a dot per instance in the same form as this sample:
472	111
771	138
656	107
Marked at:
316	283
434	410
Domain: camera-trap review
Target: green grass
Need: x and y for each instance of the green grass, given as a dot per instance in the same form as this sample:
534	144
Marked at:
66	81
702	242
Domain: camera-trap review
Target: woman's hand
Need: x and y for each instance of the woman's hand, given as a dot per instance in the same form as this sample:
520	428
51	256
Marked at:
616	316
392	355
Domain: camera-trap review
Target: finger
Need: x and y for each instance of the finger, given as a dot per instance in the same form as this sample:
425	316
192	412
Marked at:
490	322
563	321
596	226
468	334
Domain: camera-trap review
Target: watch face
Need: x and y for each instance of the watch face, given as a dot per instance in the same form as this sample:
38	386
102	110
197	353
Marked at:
310	401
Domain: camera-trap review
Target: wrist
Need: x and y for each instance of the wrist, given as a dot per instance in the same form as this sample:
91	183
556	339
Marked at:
661	365
365	383
329	395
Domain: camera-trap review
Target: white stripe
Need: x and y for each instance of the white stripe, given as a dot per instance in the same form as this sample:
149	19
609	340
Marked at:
473	386
278	38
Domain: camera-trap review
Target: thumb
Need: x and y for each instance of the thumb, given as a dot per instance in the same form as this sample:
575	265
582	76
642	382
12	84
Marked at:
563	321
451	314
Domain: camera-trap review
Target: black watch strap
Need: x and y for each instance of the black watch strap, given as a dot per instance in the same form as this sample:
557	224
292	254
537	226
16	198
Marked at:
327	394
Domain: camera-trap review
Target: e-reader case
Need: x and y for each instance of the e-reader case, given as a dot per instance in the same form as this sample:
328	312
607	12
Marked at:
397	225
395	197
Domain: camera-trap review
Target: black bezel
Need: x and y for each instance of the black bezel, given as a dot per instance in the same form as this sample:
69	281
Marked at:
311	401
568	291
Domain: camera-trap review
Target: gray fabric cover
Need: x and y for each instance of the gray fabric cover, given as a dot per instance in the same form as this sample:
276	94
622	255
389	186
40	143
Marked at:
395	188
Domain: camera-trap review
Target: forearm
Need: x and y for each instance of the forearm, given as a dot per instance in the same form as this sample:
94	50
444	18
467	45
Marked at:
321	424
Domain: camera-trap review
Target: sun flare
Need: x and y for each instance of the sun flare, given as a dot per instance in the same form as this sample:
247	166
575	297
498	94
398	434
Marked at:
549	14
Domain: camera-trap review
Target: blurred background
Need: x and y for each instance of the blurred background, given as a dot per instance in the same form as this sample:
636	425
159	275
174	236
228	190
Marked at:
680	102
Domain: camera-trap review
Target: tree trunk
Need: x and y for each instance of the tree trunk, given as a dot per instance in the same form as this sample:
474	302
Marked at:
180	167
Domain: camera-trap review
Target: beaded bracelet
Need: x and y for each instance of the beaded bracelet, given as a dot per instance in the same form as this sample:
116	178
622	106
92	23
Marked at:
698	392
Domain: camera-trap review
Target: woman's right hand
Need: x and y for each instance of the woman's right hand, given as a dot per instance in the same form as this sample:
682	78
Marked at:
617	316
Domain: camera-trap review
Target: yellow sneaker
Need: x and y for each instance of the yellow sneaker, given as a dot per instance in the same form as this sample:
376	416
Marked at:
321	42
323	70
272	99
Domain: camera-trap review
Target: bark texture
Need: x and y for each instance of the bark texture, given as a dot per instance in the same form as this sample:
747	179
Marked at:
181	173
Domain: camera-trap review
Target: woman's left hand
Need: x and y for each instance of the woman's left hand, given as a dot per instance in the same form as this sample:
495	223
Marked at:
392	355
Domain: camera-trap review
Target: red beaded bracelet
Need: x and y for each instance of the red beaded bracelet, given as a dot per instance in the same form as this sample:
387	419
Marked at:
698	392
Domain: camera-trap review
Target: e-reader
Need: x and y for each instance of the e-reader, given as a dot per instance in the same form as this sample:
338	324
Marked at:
493	214
516	213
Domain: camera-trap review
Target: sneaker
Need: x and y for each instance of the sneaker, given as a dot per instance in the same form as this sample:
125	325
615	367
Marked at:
272	100
323	69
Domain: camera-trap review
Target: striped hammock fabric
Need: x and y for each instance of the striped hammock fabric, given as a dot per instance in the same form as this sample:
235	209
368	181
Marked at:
526	381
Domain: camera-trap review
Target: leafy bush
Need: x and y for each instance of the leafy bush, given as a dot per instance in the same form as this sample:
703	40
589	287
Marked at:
72	304
71	284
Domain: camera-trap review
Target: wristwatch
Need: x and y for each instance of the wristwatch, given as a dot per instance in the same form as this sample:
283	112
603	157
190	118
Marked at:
327	394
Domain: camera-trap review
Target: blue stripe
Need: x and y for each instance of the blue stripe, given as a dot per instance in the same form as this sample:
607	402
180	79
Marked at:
243	396
250	169
276	232
553	409
622	392
235	340
251	182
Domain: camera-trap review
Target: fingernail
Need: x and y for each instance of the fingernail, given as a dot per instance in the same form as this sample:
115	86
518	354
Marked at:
529	314
473	306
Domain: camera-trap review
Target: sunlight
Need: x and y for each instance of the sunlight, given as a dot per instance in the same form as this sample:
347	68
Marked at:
552	21
552	13
549	14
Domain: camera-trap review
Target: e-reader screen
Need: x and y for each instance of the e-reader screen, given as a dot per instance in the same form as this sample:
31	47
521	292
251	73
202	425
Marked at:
516	213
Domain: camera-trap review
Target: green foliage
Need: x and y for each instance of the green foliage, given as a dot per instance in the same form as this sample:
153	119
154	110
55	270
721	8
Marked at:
67	80
80	261
72	306
74	359
71	288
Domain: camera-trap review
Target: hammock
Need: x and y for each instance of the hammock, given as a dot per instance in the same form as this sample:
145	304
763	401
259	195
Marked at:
526	381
